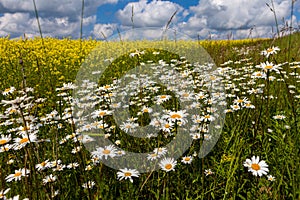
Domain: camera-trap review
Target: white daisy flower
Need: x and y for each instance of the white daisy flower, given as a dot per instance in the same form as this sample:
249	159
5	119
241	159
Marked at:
17	175
187	159
271	178
270	51
160	150
3	193
49	179
256	167
168	164
107	151
127	174
89	184
208	172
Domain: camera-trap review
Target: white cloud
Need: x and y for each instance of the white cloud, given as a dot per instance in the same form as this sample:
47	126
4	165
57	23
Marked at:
148	14
237	16
59	18
103	31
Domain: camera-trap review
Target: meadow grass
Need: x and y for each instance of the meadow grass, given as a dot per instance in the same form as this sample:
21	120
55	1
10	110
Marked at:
39	131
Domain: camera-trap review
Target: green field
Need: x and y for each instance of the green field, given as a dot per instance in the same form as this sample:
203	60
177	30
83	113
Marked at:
44	139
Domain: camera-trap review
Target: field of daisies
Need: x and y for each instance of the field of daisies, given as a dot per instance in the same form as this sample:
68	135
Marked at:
60	137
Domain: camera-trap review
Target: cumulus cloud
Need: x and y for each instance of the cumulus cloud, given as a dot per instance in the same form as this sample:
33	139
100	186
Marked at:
59	18
103	31
238	16
148	14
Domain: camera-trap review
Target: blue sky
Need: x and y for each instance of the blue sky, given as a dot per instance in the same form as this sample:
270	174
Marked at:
216	19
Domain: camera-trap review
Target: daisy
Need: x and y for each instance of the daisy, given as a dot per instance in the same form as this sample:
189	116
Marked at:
259	75
8	91
268	67
196	136
187	159
26	138
101	113
54	163
76	150
127	174
17	175
166	126
155	122
274	117
89	184
256	167
177	116
235	107
240	101
49	179
72	165
207	118
43	165
146	109
4	139
207	136
160	150
128	126
271	178
120	153
270	51
162	98
208	172
249	105
3	193
168	164
153	156
107	151
186	96
59	167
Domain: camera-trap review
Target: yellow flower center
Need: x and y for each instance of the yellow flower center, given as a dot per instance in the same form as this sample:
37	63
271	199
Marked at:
187	159
163	96
4	148
127	174
3	141
269	50
102	113
17	174
168	166
128	126
106	151
240	100
255	167
206	116
175	116
43	164
167	126
26	128
212	78
269	67
12	111
101	126
24	140
186	95
7	90
146	110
